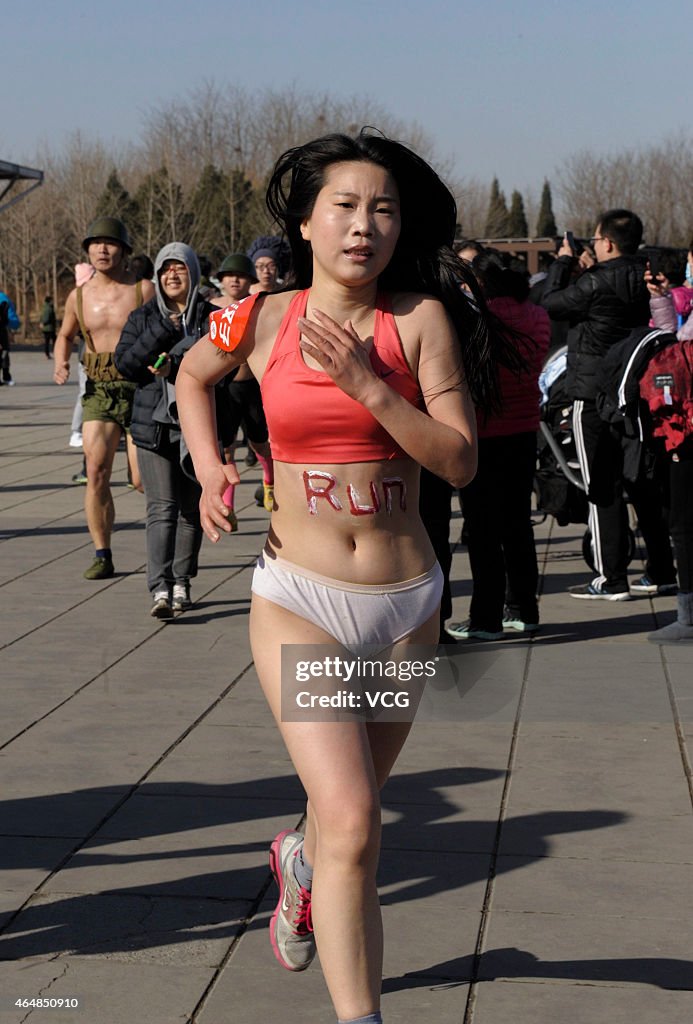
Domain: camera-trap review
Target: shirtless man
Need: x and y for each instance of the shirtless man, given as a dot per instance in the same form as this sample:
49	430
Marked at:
99	310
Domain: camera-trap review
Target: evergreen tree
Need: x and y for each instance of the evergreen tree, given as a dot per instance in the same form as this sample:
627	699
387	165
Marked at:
115	201
517	221
241	200
209	215
497	216
219	213
546	222
161	213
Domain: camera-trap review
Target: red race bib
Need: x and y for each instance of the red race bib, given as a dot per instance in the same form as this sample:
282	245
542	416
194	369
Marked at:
227	326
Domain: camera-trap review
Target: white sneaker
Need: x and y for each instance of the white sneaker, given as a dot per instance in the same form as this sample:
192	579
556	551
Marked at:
76	439
181	597
161	608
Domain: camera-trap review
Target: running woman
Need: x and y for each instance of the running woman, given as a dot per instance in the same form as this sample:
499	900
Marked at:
367	370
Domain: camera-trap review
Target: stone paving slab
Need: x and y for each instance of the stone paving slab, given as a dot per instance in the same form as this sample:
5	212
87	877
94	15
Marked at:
552	885
609	834
580	1004
108	990
225	855
129	926
568	746
27	861
546	820
204	761
622	950
437	997
579	791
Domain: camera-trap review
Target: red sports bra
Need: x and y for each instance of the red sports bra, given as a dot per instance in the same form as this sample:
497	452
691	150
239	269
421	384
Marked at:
310	418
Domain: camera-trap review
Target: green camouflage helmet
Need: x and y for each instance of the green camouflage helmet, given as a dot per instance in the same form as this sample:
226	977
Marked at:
108	227
238	263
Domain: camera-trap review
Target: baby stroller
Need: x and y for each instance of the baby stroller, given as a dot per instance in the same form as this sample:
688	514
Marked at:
559	489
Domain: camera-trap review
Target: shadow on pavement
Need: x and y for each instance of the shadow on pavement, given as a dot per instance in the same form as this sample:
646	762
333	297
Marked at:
213	905
661	972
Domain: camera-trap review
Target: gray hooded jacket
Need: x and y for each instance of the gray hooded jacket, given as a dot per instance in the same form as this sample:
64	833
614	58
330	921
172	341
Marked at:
149	331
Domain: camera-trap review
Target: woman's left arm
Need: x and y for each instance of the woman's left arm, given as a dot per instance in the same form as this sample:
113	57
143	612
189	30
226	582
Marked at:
443	439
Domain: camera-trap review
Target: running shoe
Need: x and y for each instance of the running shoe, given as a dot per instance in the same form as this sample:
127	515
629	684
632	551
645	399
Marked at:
79	478
161	608
595	591
466	631
268	497
100	569
511	621
646	586
75	439
251	458
291	927
181	597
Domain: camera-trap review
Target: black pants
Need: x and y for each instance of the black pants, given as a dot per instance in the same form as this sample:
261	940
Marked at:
243	408
497	513
5	362
600	454
48	342
435	500
681	513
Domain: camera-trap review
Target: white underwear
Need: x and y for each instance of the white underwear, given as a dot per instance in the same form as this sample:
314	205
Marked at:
352	613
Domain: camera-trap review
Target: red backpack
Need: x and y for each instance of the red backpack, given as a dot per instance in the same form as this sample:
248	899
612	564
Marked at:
667	387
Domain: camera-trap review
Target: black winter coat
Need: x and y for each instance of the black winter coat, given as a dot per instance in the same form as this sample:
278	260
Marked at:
603	306
145	336
618	399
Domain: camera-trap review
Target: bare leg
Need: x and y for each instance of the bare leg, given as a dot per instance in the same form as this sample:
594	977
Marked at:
341	765
100	442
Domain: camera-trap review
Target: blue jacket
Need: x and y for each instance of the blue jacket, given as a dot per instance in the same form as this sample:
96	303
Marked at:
8	315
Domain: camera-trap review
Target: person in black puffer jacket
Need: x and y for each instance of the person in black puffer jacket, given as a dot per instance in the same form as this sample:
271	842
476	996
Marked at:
603	306
163	329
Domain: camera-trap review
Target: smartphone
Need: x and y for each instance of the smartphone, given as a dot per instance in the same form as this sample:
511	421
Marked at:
653	260
160	361
575	247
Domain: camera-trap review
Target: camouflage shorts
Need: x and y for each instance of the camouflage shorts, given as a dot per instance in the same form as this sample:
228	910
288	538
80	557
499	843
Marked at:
109	402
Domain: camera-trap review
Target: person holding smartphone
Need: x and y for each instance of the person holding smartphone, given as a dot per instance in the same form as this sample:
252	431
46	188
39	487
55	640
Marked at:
602	306
149	352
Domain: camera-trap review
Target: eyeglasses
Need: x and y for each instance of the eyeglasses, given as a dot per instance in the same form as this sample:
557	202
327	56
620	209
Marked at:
598	238
265	266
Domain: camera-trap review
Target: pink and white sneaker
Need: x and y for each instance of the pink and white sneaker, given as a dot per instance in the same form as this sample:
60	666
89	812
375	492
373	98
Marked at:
291	927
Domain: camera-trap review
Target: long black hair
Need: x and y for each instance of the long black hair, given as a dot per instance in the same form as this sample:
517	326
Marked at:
498	280
423	260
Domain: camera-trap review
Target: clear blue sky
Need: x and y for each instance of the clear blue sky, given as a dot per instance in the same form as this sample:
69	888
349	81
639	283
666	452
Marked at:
503	88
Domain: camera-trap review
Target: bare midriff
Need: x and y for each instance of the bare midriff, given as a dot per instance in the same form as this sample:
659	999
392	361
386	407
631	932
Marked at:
355	522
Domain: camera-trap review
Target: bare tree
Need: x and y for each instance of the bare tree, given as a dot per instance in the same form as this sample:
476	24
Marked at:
472	202
653	181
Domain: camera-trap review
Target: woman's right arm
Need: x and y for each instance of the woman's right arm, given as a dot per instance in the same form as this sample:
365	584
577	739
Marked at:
203	367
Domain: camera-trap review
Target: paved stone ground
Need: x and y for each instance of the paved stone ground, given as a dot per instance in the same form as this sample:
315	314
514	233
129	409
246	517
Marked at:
537	854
